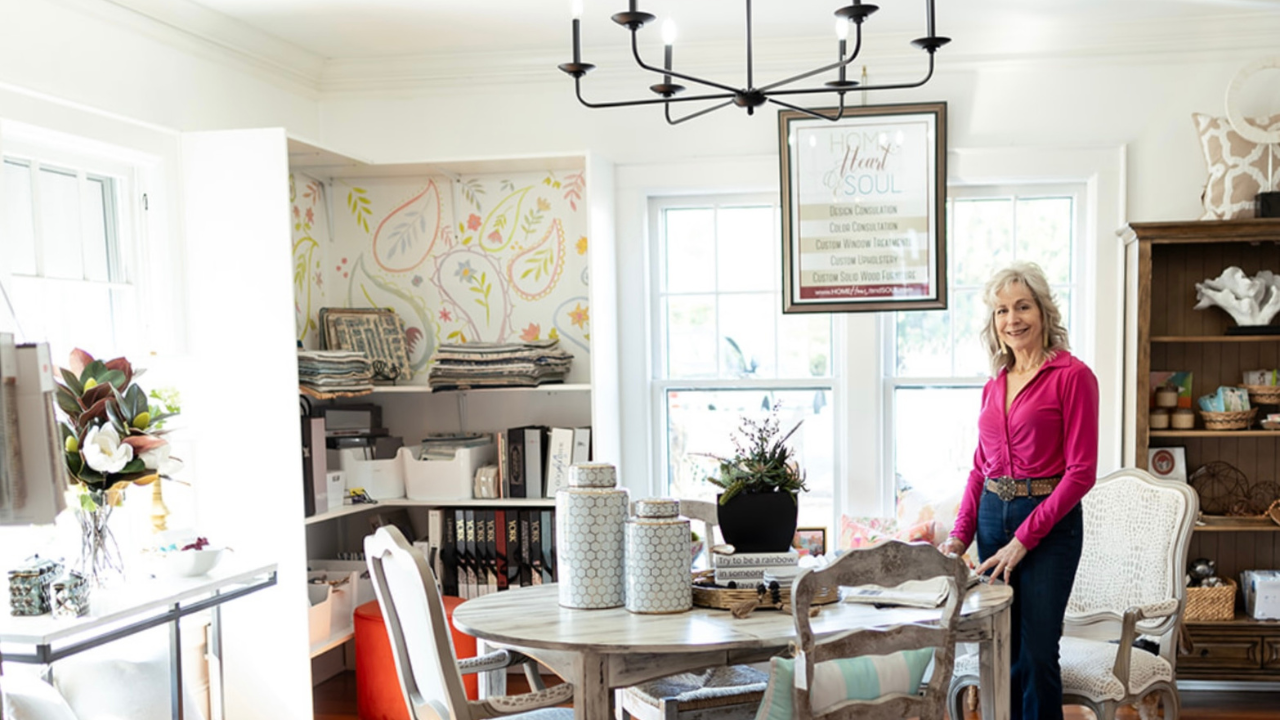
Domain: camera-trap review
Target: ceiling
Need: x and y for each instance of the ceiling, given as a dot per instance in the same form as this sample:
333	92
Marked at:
369	29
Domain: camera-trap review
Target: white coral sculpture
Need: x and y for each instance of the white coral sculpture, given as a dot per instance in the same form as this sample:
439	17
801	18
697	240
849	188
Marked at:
1251	301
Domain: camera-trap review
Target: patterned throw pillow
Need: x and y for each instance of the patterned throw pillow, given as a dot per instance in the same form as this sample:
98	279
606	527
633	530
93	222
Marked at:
860	532
861	678
1237	167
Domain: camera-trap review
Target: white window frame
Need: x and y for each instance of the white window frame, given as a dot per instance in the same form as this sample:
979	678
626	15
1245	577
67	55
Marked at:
1082	307
660	385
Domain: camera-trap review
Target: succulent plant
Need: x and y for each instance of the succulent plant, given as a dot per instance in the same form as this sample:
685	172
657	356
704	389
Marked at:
762	461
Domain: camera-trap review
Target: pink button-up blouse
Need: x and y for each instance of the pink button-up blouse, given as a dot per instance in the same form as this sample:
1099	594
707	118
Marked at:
1050	430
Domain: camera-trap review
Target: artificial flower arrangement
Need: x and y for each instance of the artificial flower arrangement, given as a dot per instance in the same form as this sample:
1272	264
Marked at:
111	436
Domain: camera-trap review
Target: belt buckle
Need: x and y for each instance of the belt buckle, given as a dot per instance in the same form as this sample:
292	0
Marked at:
1006	488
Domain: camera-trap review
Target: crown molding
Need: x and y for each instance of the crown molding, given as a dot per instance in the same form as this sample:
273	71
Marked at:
203	33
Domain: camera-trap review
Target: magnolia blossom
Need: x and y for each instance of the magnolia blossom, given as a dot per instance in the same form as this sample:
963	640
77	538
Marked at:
157	458
104	452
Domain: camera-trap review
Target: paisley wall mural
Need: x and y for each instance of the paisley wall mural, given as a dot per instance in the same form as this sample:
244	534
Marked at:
492	258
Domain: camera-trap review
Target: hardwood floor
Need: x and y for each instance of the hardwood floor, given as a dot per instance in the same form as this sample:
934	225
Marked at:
335	699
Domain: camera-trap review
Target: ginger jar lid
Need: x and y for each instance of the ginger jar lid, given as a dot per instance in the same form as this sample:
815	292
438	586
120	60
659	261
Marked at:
657	508
593	475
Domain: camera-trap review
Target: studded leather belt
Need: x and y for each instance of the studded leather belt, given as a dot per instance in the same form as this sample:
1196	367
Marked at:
1007	488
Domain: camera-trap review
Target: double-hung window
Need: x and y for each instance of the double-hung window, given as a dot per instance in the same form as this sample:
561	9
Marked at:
723	350
936	365
66	225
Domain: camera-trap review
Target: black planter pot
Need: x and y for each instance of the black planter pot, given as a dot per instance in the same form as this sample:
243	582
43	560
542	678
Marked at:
758	522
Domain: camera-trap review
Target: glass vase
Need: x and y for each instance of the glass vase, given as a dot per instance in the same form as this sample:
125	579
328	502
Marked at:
100	561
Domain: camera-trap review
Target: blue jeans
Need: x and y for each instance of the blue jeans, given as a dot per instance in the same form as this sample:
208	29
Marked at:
1041	585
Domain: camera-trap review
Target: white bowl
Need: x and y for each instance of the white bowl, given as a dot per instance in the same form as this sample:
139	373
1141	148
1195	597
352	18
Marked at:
186	563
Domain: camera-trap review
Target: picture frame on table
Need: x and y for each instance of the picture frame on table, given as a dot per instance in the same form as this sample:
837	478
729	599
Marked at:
863	208
1168	463
810	541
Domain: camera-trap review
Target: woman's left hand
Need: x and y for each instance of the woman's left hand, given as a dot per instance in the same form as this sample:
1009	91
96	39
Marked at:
1004	561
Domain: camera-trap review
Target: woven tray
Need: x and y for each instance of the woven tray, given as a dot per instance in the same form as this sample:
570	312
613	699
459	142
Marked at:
1212	603
722	598
1263	394
1234	420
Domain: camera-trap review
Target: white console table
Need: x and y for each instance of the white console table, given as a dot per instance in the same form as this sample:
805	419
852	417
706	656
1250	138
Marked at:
134	606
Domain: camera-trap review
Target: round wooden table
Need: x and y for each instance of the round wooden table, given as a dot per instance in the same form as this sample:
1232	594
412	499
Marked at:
600	650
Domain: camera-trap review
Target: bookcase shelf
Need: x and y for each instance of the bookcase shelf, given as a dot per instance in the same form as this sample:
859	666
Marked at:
346	510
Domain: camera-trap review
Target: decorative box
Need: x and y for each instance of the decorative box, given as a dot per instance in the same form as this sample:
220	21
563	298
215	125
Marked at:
29	586
591	517
69	595
658	574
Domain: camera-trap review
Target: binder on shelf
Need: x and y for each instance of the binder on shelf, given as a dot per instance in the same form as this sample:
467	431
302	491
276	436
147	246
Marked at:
315	467
491	551
515	463
513	548
548	560
449	554
536	573
526	458
581	445
435	540
559	458
526	553
500	549
504	474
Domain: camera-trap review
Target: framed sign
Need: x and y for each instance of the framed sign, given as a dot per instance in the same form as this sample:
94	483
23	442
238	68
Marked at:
1169	463
863	201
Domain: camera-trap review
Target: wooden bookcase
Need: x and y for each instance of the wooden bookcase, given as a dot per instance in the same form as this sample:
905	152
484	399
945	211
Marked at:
1167	260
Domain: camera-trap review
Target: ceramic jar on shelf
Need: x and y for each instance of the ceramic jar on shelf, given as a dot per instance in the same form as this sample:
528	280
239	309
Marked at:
659	578
591	517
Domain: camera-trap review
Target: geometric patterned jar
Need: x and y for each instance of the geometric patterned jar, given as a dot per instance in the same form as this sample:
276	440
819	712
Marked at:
591	516
659	579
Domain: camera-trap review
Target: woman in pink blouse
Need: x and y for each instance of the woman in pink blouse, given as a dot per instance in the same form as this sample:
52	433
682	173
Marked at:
1037	456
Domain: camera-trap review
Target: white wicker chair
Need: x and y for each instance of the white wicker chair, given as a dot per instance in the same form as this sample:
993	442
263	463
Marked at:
1130	582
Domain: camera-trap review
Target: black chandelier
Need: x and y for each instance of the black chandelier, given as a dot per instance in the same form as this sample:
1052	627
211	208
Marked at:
751	96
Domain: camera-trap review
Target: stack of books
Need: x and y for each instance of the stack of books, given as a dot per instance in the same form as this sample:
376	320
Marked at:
335	371
749	569
479	365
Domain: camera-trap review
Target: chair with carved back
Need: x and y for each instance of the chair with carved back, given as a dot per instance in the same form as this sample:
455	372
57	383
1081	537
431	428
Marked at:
1131	582
723	693
873	673
422	646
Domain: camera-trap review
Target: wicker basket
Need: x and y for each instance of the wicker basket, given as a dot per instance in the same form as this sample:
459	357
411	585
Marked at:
722	598
1234	420
1212	603
1263	394
1273	512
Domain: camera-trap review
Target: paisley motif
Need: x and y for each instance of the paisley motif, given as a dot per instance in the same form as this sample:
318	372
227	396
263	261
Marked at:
406	235
501	223
471	287
579	335
534	272
369	290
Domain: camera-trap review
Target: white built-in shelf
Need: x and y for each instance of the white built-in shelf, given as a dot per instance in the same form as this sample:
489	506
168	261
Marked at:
339	637
426	389
405	502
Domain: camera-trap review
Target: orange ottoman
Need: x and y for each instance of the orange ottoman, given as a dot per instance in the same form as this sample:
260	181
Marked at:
378	693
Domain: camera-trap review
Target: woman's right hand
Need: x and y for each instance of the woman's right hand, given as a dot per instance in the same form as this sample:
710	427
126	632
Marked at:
952	546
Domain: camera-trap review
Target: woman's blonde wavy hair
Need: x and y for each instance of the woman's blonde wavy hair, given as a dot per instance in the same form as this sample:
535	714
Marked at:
1030	276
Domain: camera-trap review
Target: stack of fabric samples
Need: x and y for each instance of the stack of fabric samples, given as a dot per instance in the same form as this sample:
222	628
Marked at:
492	365
335	371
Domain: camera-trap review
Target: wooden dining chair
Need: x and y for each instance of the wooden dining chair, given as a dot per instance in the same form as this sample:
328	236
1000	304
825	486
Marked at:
875	673
422	645
723	693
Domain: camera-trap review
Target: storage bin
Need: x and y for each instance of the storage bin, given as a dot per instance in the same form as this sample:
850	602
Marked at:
444	479
346	596
381	479
319	616
1212	603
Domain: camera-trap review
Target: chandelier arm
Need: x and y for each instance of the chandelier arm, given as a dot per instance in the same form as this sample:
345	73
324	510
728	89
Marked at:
647	101
635	52
857	48
812	113
699	113
861	88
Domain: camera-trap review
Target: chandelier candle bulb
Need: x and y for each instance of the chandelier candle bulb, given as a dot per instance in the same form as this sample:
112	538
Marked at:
668	41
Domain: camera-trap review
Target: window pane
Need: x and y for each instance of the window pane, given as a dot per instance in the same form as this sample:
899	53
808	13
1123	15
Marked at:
804	345
19	247
60	225
1063	297
970	314
702	423
924	344
1044	235
690	250
981	240
97	250
747	246
747	326
937	461
691	336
